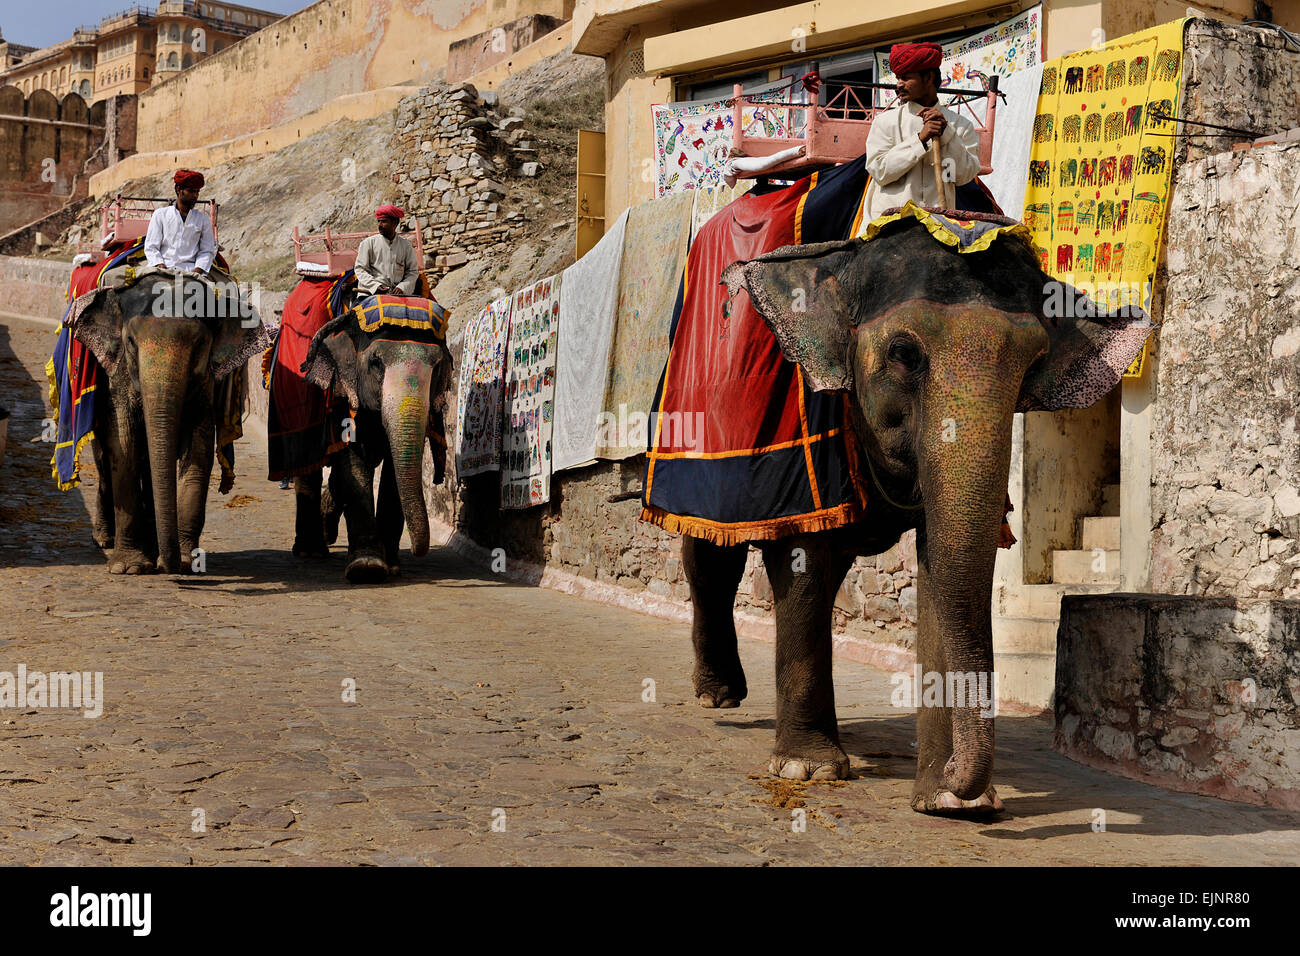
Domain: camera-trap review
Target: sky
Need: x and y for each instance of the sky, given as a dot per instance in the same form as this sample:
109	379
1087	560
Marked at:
49	21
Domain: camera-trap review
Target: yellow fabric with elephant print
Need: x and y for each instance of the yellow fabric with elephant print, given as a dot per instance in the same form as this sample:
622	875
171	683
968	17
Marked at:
1101	165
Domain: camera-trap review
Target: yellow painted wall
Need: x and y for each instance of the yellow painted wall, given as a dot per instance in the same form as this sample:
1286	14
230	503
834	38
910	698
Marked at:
332	48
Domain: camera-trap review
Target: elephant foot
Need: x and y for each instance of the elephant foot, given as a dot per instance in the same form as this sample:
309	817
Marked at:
810	763
317	550
947	803
130	562
330	514
367	569
714	690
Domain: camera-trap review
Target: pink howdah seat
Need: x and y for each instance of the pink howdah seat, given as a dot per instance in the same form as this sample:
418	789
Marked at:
837	132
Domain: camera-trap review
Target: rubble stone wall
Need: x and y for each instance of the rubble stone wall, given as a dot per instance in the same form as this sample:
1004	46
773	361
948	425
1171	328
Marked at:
452	151
1225	474
1195	694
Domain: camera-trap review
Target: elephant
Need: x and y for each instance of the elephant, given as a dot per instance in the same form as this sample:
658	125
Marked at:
1093	79
1167	64
1116	70
1048	83
952	340
1070	128
166	344
1151	159
394	379
1040	172
1137	71
1114	125
1073	79
1092	128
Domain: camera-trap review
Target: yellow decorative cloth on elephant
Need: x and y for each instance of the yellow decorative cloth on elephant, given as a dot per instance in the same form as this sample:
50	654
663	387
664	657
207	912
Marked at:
965	232
403	311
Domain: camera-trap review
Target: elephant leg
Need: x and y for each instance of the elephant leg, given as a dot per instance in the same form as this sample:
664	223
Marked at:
192	483
330	513
390	518
714	574
352	485
806	572
934	745
309	531
135	542
102	518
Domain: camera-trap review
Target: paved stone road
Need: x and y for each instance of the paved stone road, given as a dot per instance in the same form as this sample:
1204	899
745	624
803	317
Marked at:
476	701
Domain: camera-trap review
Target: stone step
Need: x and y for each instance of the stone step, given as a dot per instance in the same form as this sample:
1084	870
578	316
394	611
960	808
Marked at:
1110	501
1100	533
1076	567
1026	679
1038	600
1023	635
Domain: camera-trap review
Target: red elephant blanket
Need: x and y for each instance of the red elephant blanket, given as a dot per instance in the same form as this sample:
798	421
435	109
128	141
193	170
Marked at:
741	448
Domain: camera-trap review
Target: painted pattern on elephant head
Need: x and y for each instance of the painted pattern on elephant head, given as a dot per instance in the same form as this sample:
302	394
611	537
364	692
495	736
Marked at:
400	373
938	349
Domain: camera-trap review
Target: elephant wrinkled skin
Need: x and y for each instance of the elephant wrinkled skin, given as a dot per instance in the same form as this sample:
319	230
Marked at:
937	350
394	378
162	367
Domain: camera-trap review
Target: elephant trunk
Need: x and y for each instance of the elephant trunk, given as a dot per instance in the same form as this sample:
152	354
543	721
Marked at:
162	395
964	454
405	414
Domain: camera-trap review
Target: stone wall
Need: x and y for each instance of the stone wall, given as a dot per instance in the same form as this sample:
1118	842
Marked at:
453	153
1225	478
44	144
33	287
1195	694
331	49
484	50
1236	76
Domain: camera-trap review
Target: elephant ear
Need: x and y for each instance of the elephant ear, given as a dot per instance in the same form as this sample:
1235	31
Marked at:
803	294
331	361
96	322
235	340
1089	350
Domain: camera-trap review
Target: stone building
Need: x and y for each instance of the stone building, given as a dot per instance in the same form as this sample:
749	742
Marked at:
129	51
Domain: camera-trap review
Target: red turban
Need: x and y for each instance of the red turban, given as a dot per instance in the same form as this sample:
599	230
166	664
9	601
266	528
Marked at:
914	57
188	179
389	210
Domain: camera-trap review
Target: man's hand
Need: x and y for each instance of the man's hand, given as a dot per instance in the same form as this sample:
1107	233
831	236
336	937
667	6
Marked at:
934	122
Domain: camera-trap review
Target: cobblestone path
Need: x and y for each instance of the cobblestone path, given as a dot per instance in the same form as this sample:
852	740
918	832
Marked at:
477	702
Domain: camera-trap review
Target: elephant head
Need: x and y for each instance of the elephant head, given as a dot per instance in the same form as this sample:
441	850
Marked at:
937	349
163	342
399	373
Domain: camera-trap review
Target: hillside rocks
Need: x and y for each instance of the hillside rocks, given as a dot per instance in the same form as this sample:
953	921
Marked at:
451	159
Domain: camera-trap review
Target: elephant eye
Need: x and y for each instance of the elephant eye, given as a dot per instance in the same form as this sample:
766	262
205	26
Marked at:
906	353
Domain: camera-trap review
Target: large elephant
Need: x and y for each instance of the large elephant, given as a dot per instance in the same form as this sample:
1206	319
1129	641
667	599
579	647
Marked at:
394	379
165	344
936	351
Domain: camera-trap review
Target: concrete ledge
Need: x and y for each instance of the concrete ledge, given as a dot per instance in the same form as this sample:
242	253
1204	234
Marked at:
356	106
34	287
1188	693
550	44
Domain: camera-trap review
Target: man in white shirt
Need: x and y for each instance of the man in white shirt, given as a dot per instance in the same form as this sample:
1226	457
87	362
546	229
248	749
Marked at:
386	262
898	145
180	237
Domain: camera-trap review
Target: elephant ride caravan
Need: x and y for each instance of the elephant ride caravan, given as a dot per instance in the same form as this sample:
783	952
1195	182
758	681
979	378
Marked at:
357	382
857	376
148	370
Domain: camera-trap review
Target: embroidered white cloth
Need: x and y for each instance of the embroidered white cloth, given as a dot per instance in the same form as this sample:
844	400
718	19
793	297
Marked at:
181	244
1012	139
588	308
